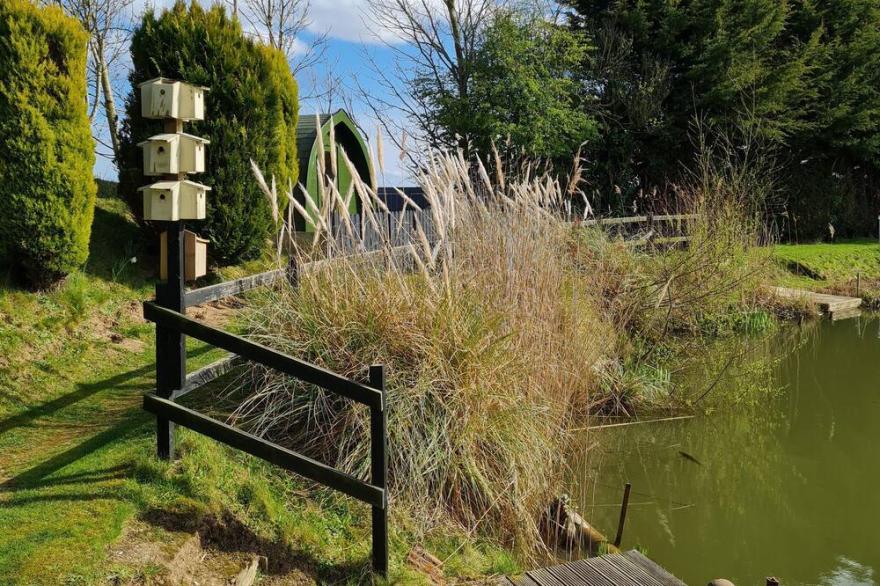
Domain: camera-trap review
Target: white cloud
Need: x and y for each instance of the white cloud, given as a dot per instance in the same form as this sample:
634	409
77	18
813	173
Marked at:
347	20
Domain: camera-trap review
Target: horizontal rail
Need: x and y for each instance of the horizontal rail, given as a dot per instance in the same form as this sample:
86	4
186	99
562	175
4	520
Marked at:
209	373
266	356
639	219
612	221
245	284
230	288
672	217
266	450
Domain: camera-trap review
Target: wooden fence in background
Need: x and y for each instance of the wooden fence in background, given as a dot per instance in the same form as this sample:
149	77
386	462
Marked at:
661	229
398	228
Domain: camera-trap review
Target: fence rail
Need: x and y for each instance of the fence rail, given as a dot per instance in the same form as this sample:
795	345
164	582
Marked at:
663	229
172	382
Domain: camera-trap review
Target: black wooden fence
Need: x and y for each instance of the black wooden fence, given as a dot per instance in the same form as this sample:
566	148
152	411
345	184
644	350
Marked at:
172	382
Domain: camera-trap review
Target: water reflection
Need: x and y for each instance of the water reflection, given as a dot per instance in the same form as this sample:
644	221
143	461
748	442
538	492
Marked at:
786	487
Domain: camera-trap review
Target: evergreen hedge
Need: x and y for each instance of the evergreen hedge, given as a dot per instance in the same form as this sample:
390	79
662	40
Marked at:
46	187
251	113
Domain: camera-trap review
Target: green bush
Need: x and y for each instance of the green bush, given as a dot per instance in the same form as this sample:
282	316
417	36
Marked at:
251	113
46	184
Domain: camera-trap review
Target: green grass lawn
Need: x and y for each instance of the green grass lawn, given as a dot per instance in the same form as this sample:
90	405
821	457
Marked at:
77	464
826	265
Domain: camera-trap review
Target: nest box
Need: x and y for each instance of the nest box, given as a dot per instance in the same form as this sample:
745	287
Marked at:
174	153
168	98
170	201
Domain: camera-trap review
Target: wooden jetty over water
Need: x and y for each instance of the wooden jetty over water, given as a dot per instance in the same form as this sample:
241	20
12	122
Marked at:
836	306
615	569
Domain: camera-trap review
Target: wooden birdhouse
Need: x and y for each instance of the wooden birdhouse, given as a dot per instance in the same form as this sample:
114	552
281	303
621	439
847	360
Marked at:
167	98
195	256
170	201
174	153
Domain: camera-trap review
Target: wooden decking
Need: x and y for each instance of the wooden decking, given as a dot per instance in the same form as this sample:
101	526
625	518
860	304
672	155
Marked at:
831	304
626	569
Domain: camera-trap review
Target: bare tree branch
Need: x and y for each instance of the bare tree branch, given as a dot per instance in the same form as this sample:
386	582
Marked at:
434	43
280	24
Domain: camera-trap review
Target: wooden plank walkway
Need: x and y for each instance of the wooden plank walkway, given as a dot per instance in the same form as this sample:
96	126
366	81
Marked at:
615	569
828	303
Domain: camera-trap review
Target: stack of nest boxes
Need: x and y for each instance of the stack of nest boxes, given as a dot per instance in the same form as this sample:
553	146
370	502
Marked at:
170	156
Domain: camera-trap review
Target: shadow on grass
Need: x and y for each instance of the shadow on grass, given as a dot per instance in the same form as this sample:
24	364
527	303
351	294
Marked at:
228	534
36	477
84	391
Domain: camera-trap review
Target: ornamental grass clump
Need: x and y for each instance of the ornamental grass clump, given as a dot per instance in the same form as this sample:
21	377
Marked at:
487	336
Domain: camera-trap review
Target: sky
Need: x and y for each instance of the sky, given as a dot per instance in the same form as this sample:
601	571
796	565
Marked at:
352	44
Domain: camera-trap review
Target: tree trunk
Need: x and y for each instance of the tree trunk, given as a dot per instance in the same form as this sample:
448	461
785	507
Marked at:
109	103
462	67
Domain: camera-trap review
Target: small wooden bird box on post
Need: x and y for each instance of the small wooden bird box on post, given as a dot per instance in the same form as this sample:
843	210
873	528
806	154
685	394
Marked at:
195	251
172	201
174	153
168	98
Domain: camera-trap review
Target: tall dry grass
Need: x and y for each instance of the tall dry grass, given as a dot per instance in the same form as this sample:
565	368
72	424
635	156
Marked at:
488	336
499	337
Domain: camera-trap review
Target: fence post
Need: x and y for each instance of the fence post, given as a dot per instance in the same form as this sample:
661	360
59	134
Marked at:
293	270
379	471
170	345
623	507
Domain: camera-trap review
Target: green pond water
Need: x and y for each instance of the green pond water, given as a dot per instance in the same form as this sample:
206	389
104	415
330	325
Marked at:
789	487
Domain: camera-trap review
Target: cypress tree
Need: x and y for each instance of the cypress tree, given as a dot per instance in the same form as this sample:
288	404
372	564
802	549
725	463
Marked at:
46	185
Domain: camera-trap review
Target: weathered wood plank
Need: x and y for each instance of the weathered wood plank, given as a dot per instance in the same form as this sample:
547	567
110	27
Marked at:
208	373
652	568
607	568
637	573
544	577
230	288
583	573
826	302
629	569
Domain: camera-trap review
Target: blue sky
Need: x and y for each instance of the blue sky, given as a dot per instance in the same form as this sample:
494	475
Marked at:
350	40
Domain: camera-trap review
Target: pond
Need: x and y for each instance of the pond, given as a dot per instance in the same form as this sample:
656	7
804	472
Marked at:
789	488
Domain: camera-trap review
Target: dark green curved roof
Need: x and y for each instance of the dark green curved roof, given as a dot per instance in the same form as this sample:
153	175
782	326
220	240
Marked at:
346	135
306	133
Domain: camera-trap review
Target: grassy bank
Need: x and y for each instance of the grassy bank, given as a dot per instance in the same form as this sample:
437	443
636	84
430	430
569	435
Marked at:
82	497
832	268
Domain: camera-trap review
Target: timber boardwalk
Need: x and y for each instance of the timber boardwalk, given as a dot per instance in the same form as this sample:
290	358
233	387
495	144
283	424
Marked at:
615	569
836	306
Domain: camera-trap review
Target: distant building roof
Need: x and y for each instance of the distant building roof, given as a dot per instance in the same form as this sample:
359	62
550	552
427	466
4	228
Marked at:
395	202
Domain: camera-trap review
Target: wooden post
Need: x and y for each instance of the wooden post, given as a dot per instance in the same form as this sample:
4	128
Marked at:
170	345
859	284
623	506
379	471
293	270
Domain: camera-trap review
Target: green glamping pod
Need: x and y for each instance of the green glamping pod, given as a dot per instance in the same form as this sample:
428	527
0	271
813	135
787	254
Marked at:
348	139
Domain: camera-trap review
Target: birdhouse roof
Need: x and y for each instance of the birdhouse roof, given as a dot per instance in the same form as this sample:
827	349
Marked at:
169	80
169	137
172	185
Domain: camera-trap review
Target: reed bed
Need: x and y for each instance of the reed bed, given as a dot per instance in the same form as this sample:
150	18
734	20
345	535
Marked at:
500	336
487	334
